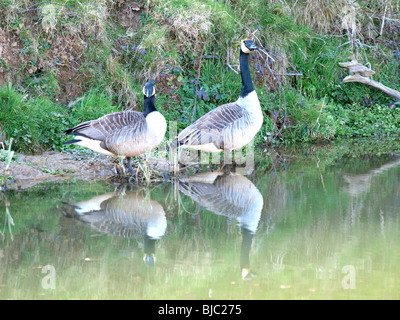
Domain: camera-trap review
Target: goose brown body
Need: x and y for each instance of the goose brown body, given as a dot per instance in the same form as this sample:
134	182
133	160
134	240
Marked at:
121	133
124	133
227	127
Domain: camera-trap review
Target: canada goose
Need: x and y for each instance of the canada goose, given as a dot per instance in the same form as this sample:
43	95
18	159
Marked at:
229	126
124	133
231	195
128	215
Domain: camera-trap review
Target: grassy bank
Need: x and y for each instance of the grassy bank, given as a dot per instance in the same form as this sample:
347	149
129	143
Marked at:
69	61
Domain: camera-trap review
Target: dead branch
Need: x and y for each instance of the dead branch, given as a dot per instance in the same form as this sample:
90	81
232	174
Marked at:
360	73
356	68
227	62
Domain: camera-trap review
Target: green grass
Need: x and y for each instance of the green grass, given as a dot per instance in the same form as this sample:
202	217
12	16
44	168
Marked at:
360	121
34	124
93	105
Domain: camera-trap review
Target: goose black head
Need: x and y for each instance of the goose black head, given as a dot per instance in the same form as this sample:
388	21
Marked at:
149	89
247	45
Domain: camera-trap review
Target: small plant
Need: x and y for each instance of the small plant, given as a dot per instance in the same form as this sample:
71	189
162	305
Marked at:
57	171
359	121
34	124
6	155
146	172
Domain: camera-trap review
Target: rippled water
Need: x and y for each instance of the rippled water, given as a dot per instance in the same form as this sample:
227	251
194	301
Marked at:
314	223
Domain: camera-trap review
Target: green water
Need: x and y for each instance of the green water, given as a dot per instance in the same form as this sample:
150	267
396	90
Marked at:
312	223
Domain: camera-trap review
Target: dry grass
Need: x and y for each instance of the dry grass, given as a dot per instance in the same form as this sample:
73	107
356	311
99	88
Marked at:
192	24
188	27
326	16
171	34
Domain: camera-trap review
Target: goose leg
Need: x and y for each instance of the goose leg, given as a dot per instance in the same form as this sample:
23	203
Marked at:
227	167
129	164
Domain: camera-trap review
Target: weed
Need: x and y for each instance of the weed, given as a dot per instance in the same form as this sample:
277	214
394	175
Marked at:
146	173
359	121
57	171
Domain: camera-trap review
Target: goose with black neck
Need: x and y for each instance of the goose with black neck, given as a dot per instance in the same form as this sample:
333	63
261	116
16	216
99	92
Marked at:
230	126
125	133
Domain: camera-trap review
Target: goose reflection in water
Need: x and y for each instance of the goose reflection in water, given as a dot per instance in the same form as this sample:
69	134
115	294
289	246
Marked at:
129	214
231	195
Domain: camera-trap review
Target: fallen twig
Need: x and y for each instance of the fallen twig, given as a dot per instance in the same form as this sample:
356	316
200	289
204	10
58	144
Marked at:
361	74
358	78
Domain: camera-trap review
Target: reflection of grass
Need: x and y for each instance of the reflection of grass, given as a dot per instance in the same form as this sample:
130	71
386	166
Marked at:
6	156
8	220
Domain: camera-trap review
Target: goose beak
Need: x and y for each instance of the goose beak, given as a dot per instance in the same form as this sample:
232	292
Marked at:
148	89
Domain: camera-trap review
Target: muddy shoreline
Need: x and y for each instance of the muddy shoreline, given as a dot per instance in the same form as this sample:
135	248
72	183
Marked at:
28	170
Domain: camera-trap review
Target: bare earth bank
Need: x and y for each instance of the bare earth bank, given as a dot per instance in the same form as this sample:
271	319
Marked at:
29	170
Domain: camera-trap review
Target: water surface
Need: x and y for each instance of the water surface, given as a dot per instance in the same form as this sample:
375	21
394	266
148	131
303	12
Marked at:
314	223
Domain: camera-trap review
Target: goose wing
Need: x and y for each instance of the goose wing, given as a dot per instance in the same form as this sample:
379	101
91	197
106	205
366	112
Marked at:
127	140
208	196
219	196
107	125
232	195
214	127
130	216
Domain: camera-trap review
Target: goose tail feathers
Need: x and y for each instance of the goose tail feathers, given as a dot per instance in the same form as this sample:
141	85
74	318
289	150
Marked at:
72	141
